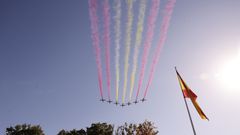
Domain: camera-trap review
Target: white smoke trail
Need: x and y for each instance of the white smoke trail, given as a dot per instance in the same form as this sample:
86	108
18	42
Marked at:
138	40
127	44
117	30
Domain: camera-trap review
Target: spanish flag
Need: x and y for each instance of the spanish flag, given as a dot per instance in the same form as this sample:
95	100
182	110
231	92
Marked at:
188	93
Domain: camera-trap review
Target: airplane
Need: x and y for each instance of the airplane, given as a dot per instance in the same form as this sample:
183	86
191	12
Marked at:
109	101
102	100
122	105
116	103
143	99
135	102
128	103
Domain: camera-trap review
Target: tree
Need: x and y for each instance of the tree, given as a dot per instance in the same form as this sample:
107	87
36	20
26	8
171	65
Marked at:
72	132
126	129
24	129
100	129
146	128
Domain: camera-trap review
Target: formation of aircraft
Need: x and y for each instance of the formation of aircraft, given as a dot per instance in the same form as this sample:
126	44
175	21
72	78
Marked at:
122	105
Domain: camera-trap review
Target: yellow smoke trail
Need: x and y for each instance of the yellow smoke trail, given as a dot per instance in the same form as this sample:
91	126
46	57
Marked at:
117	31
127	44
138	41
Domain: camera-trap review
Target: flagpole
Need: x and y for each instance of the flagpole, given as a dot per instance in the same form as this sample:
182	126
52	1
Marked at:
189	114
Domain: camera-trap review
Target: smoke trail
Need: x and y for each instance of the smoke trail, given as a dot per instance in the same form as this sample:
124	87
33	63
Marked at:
138	41
163	35
117	31
148	41
95	38
127	44
106	15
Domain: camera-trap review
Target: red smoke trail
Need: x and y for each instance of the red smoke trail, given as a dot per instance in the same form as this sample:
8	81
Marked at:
163	35
95	38
106	15
148	41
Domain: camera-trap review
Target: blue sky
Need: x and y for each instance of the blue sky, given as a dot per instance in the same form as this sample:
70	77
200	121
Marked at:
48	71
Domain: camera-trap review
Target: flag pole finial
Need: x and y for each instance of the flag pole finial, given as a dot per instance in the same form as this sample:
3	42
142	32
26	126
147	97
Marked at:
175	68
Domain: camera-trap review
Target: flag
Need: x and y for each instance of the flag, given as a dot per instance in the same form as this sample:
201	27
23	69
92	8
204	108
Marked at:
188	93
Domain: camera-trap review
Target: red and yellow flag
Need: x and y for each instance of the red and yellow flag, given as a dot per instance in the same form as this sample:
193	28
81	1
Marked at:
188	93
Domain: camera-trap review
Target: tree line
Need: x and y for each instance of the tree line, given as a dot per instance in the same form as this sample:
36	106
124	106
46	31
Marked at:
145	128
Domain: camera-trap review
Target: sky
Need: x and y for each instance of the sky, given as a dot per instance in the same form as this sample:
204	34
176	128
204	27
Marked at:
48	72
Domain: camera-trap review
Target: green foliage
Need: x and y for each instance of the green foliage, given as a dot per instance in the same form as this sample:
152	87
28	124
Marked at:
72	132
126	129
100	129
94	129
24	129
145	128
